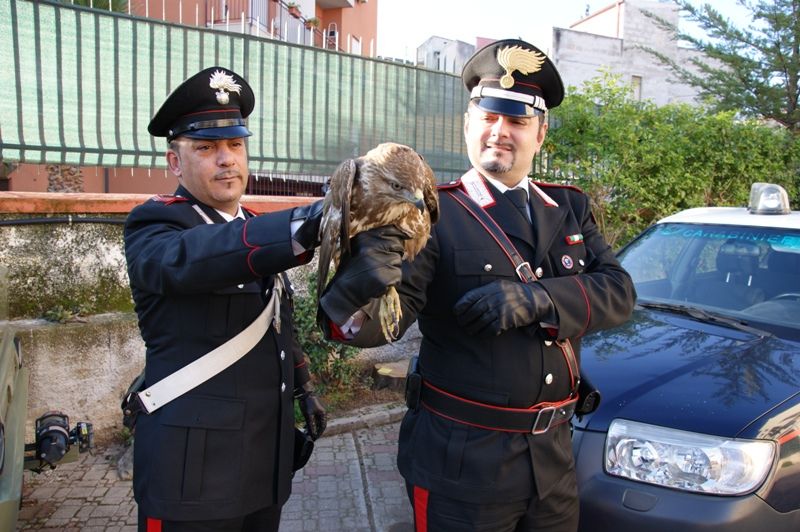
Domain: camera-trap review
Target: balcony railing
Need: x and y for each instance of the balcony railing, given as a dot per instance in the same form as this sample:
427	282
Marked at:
268	18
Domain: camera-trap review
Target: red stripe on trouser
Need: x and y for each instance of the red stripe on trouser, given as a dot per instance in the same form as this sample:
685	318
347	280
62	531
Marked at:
153	525
420	509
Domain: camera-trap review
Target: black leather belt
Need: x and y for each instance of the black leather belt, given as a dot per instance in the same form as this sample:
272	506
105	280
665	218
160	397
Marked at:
534	420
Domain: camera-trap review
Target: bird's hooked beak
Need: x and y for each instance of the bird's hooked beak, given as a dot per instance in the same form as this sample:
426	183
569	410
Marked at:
419	200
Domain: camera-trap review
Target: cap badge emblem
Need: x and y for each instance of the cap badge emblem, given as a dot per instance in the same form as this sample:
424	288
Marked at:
518	58
224	84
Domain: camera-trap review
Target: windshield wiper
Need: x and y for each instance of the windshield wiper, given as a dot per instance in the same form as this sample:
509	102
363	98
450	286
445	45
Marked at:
704	315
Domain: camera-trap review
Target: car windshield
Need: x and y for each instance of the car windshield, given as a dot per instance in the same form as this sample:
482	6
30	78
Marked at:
749	274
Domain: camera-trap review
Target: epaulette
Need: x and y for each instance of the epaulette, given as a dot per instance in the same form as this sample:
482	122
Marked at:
168	199
449	185
558	185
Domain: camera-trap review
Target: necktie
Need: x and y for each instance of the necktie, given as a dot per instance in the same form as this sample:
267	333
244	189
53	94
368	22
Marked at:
520	200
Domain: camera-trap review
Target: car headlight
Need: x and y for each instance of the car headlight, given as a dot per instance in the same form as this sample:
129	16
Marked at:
686	460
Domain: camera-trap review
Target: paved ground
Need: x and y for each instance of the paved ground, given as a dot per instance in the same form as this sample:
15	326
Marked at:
351	483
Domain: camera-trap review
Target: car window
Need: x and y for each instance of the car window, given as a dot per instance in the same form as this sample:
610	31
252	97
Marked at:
648	262
751	272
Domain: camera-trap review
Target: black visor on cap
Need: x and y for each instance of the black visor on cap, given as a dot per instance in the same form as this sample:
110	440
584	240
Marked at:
217	133
504	107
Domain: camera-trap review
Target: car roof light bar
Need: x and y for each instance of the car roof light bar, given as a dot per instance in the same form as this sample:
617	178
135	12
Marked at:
768	198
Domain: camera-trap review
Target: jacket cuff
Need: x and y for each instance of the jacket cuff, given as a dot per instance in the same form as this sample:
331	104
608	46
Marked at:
270	244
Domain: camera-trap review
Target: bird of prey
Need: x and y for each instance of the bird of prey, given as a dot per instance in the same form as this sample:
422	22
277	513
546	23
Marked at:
390	185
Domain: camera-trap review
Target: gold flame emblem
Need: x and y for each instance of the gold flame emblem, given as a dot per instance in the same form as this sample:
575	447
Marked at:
520	59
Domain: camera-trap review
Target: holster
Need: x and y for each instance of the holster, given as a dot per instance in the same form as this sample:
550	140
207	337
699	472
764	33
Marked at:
588	396
413	384
130	402
303	446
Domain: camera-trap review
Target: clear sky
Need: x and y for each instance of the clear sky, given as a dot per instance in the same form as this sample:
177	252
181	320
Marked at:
405	24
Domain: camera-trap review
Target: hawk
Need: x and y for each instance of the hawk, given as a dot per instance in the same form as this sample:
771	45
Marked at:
390	185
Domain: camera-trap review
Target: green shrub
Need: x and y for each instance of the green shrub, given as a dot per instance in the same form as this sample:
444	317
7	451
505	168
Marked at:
639	162
332	364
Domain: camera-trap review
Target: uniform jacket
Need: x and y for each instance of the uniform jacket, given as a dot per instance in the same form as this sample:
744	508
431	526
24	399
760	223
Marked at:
590	291
223	449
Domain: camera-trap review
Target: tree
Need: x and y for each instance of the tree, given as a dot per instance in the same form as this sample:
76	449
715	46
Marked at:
753	71
639	162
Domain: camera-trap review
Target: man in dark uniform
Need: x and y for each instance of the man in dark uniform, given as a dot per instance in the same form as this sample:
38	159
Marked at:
202	269
486	443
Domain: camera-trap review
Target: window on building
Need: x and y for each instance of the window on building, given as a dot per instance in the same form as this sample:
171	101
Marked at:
355	45
636	85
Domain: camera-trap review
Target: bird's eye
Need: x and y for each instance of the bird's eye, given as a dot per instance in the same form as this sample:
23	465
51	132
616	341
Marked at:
396	185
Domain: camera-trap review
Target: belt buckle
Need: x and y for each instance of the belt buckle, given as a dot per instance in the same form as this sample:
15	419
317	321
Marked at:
551	414
525	272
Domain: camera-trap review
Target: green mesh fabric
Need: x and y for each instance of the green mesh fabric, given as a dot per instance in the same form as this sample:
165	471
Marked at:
86	83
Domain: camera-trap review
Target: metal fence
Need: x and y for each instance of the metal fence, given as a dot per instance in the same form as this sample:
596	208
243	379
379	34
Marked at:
86	83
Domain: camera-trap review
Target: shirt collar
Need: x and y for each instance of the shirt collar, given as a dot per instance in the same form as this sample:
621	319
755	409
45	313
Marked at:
228	217
523	184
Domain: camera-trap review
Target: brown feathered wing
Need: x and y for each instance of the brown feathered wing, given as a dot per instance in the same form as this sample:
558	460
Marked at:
390	185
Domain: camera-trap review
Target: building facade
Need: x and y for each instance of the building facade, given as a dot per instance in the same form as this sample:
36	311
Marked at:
447	55
349	26
615	38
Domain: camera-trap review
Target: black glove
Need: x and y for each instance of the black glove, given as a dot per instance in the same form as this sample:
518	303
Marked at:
307	235
312	410
502	305
374	265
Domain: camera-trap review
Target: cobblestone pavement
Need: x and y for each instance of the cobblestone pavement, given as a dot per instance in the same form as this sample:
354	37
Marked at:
86	495
351	483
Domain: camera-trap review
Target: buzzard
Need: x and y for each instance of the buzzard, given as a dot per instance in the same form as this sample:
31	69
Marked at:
390	185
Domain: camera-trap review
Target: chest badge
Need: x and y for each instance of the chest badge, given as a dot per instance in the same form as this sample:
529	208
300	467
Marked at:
574	239
566	260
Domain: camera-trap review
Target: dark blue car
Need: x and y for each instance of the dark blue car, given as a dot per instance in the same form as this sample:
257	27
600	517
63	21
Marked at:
699	425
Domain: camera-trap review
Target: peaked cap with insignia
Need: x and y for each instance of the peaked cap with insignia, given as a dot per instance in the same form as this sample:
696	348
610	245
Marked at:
512	77
212	104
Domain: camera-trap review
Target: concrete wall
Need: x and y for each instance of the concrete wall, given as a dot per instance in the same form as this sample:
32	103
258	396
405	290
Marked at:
618	35
607	21
81	368
449	55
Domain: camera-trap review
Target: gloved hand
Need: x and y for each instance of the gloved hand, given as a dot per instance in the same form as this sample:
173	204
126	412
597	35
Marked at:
374	265
312	410
502	305
307	235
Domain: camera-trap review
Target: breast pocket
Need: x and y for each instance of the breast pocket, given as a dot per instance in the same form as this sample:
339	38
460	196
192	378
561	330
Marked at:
232	308
476	267
200	448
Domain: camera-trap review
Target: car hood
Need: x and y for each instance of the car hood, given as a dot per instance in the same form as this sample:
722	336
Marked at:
670	370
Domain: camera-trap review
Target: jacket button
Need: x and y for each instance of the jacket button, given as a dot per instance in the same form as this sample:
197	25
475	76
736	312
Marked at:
283	355
539	272
580	261
548	343
283	386
240	286
487	268
548	379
